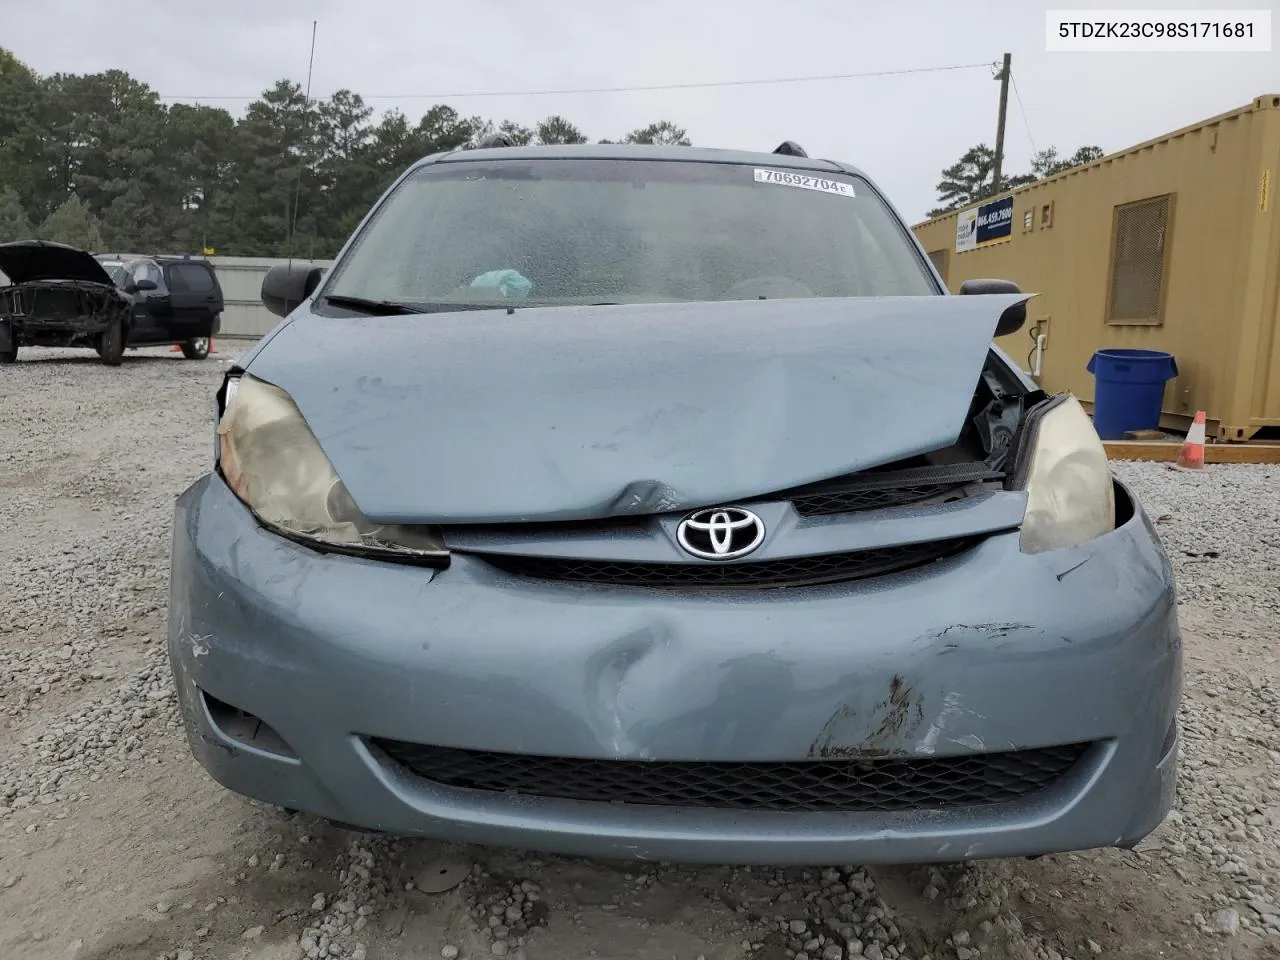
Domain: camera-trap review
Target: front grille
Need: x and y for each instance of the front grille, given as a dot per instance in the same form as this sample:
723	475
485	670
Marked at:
881	784
851	501
789	572
889	488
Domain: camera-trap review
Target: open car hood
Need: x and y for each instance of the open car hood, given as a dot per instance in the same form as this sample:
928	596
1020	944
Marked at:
24	261
574	413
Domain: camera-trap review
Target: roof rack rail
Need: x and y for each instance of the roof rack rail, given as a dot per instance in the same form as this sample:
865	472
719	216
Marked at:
495	140
789	148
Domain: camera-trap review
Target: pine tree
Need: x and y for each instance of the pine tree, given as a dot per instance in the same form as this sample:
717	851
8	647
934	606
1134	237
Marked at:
663	133
556	129
73	224
14	223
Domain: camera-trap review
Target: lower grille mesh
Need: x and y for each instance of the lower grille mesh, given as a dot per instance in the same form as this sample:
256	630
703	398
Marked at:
881	784
792	571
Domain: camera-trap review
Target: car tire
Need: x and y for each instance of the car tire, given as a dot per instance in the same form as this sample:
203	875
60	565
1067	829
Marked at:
110	345
10	355
197	348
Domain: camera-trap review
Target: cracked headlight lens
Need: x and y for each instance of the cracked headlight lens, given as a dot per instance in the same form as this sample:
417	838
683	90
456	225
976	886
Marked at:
1070	493
271	460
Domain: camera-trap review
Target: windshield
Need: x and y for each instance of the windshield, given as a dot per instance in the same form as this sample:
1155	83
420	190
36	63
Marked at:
116	271
556	231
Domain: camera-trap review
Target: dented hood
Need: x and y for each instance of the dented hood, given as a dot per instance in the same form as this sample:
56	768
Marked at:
590	412
26	261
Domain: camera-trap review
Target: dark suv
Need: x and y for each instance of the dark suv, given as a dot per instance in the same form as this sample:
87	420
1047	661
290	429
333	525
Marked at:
176	300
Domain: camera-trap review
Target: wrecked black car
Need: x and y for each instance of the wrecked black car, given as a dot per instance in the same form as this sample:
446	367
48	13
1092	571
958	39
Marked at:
55	295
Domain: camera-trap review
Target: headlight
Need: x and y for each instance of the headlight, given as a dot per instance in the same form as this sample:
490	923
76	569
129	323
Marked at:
1070	497
273	463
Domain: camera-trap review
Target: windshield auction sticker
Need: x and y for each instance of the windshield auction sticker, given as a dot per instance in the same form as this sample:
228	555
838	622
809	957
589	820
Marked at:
805	182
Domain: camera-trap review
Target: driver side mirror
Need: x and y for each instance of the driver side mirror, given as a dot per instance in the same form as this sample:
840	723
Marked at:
1014	317
287	284
144	285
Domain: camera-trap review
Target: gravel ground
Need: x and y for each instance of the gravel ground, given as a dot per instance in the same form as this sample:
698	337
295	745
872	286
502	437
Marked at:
114	844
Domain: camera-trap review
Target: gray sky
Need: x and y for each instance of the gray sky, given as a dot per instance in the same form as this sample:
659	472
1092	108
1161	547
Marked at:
901	129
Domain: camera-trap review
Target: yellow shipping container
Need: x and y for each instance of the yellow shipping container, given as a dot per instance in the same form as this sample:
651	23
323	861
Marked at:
1174	245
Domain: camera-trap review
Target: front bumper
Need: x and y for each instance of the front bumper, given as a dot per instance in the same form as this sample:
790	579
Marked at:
30	332
996	651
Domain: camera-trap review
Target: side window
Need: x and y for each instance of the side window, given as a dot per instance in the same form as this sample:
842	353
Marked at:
177	282
190	278
201	278
146	270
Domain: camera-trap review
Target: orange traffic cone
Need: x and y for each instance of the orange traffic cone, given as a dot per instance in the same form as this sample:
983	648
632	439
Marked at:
211	350
1191	457
175	348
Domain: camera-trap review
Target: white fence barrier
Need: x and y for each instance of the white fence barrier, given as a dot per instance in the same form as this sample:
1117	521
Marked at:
241	280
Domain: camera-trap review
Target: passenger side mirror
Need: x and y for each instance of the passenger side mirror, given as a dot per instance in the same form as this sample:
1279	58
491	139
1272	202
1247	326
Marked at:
1014	317
287	284
143	285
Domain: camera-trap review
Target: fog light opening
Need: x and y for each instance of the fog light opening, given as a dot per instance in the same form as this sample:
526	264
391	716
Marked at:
245	728
1170	741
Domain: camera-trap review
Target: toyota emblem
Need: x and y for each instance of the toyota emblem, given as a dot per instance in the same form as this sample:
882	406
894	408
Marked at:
720	533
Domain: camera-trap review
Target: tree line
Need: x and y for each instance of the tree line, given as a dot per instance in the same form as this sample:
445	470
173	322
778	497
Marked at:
100	162
972	177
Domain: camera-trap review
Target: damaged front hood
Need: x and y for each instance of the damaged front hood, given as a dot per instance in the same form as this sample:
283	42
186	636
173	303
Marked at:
589	412
29	261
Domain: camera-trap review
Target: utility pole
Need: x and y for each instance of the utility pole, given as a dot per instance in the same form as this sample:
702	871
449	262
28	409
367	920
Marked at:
1004	105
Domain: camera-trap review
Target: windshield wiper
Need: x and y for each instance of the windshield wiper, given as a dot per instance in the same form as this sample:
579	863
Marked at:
375	308
395	308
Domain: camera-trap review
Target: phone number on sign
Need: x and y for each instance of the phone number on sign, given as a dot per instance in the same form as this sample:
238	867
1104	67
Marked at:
1126	31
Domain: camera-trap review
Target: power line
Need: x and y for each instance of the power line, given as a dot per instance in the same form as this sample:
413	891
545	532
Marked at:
691	85
297	190
1017	96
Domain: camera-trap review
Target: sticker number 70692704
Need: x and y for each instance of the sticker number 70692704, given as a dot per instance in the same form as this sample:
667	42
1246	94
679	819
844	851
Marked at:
805	182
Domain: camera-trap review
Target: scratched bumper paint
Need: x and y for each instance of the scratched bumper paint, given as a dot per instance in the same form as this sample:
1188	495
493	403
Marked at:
988	651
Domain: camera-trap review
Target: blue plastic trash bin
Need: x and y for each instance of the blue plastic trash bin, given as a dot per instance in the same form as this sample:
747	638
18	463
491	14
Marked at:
1129	389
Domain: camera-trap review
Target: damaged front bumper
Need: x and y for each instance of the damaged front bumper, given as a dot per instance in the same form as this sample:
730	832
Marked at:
58	313
322	683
